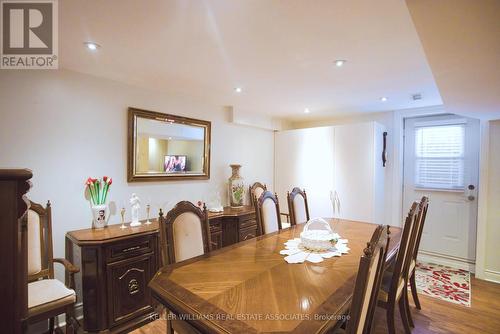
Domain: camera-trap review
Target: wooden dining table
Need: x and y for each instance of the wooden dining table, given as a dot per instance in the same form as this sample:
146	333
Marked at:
249	288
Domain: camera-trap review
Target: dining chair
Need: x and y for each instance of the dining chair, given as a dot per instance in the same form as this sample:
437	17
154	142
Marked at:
268	213
184	232
394	287
255	191
422	213
47	296
368	280
297	206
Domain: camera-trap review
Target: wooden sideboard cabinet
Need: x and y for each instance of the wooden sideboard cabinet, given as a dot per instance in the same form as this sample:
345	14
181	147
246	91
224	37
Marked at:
232	225
117	264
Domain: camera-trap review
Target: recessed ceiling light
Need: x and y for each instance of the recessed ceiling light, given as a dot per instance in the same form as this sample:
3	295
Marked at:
238	89
307	111
383	99
92	46
340	62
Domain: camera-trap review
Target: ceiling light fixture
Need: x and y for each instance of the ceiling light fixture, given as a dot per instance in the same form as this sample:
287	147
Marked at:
307	111
238	89
383	99
417	97
340	62
92	46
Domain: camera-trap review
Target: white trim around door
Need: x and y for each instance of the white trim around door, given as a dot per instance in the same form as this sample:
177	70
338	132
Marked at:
397	184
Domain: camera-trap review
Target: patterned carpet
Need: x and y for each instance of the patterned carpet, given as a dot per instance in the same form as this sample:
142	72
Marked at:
445	283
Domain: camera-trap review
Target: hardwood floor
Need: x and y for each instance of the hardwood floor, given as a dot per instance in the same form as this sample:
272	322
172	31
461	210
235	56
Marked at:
436	316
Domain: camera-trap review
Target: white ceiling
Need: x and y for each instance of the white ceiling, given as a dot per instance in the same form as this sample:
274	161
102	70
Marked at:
461	39
280	52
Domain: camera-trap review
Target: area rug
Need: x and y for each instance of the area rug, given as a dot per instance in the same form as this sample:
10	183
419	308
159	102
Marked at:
445	283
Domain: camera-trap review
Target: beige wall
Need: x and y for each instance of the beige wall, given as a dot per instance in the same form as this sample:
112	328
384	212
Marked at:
493	216
67	126
157	152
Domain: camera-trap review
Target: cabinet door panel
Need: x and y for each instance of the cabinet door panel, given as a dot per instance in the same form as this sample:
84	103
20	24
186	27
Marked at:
304	158
230	231
128	293
354	171
216	240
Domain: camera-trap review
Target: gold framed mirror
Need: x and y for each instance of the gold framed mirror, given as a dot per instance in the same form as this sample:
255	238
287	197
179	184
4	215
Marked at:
163	147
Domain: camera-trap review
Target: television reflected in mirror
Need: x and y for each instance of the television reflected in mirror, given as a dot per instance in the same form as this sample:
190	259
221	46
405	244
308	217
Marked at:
164	147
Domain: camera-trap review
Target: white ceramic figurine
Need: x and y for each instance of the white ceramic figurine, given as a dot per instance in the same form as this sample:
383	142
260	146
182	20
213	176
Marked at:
135	203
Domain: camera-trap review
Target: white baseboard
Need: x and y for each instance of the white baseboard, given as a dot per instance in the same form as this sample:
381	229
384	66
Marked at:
447	260
492	275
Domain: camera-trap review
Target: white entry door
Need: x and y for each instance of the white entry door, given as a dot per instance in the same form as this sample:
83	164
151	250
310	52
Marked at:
441	161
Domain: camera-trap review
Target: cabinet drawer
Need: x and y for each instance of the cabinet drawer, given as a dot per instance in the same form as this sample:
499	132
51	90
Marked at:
248	221
215	226
129	248
128	293
248	233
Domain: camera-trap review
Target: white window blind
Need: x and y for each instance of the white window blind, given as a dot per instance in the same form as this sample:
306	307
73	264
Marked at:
439	153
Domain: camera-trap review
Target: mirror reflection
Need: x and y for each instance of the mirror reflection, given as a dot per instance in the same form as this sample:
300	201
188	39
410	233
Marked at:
169	147
163	147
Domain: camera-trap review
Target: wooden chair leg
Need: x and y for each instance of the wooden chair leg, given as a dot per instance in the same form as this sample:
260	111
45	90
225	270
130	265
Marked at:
72	323
168	322
407	308
51	325
413	287
391	327
404	315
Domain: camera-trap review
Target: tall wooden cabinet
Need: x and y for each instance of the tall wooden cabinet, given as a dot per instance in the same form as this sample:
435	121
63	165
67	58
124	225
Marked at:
14	184
342	162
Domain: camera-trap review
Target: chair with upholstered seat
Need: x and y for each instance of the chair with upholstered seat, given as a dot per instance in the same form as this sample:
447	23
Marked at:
422	213
297	206
184	232
255	191
47	296
394	284
368	279
268	213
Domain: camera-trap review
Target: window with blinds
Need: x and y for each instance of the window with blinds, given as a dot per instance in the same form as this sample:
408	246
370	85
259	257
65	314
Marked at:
439	154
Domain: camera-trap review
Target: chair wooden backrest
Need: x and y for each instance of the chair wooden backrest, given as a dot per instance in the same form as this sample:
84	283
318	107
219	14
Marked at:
297	206
39	242
255	191
184	233
403	259
368	280
268	213
422	214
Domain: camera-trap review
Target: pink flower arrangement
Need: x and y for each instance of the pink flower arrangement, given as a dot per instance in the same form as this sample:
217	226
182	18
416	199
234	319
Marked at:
98	189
